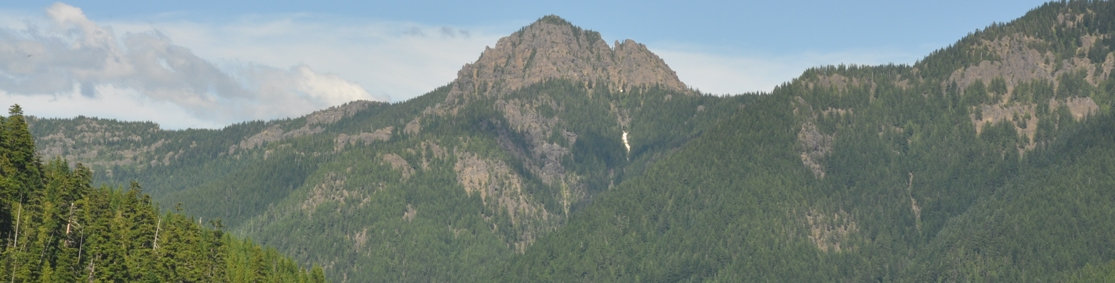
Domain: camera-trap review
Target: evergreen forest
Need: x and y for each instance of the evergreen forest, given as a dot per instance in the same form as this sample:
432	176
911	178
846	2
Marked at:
58	227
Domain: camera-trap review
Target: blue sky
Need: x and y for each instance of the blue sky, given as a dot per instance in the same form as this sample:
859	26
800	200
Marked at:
212	63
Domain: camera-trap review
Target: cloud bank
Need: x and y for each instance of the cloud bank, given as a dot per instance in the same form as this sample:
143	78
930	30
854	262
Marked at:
70	65
395	61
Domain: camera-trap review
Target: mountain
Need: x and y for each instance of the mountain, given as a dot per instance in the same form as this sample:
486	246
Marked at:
427	189
981	162
57	227
553	49
558	157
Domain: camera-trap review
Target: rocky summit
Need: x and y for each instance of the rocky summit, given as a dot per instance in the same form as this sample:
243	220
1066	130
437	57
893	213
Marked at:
552	48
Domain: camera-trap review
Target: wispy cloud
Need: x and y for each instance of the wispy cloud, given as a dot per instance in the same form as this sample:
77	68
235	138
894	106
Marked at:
392	60
64	64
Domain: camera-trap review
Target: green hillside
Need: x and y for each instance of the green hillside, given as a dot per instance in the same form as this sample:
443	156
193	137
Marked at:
56	227
464	192
558	157
962	167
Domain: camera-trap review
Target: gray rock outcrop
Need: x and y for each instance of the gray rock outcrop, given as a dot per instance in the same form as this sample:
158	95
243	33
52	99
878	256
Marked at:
552	48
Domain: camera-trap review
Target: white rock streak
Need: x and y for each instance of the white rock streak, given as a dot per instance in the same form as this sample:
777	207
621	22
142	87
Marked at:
625	144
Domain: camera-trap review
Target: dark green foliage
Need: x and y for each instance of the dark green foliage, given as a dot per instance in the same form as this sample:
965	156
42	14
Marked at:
931	199
319	202
1052	219
976	94
57	227
646	229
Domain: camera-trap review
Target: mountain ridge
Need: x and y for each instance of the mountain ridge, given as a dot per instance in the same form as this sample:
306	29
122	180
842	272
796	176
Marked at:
499	167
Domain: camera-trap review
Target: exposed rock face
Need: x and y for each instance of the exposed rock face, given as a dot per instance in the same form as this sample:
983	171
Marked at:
315	123
552	48
1020	62
1024	117
524	118
831	233
815	146
500	188
399	164
365	138
333	189
336	113
1079	107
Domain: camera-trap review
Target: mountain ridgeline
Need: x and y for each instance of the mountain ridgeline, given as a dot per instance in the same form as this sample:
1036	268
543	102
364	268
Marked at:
553	49
556	157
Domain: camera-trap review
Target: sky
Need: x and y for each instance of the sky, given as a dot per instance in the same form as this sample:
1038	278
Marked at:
209	64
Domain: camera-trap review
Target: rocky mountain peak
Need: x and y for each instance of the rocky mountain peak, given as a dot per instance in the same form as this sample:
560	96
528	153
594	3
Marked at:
552	48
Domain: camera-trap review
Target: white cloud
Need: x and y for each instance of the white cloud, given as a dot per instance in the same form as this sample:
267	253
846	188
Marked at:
68	62
329	88
391	60
112	102
67	16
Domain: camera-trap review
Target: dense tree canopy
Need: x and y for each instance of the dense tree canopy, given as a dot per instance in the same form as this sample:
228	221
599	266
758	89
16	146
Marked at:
57	228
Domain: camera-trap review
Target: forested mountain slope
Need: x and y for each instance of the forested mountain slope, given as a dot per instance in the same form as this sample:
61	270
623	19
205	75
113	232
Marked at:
987	160
441	187
56	227
557	157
